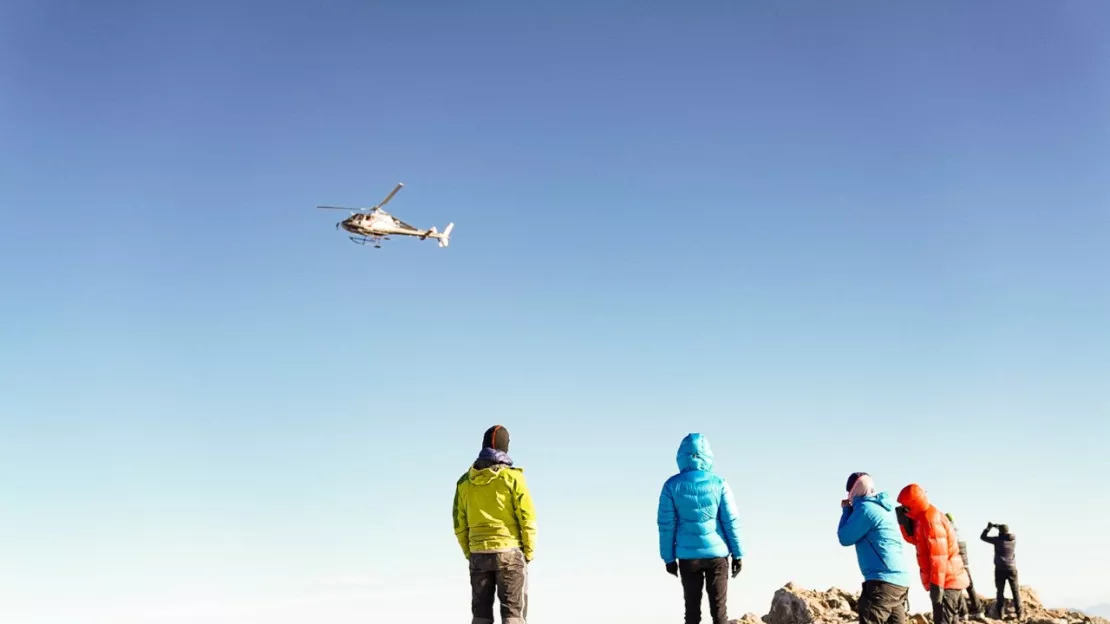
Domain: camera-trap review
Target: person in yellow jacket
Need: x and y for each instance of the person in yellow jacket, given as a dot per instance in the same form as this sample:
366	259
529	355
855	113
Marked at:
495	524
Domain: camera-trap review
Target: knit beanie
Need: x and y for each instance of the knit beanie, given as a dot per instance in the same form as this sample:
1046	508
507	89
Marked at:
852	480
496	437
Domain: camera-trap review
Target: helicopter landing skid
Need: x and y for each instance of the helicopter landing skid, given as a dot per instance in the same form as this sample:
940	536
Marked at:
366	240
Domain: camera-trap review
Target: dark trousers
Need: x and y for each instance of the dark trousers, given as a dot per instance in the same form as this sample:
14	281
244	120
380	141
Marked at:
883	603
972	597
711	574
1001	577
948	610
504	574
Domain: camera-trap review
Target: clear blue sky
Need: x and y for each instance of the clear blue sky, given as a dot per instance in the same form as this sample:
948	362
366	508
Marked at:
830	236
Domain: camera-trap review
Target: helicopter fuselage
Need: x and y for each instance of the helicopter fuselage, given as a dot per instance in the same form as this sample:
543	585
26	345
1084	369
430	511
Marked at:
375	225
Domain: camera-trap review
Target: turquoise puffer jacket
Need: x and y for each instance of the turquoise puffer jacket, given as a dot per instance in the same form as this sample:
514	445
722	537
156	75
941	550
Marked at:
871	525
697	513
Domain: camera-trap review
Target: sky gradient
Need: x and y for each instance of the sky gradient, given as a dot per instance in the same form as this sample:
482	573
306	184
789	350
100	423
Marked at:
831	237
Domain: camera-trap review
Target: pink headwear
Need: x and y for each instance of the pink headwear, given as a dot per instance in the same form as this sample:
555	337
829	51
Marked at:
863	486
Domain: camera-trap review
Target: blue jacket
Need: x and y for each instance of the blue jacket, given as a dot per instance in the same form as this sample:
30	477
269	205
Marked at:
872	526
697	513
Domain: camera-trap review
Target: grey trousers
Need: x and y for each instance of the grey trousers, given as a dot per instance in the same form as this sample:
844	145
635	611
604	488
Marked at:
947	611
882	603
504	575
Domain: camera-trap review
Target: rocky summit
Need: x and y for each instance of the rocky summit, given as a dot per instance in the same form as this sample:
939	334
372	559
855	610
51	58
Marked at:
795	605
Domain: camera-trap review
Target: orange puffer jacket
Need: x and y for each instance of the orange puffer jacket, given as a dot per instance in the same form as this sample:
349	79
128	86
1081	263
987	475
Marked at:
938	550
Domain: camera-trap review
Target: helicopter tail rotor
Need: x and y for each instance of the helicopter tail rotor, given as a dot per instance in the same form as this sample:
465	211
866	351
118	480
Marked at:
445	238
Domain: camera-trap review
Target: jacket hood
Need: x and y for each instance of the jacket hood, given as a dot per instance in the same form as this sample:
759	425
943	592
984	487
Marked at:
914	498
486	476
882	499
694	453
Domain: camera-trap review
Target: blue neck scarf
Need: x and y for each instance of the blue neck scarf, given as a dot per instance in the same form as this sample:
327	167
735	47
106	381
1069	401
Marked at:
494	456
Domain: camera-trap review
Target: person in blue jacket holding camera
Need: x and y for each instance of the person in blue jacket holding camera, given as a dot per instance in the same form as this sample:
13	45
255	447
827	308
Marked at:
869	522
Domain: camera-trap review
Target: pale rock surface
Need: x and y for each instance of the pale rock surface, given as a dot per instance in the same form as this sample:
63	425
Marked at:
749	618
795	605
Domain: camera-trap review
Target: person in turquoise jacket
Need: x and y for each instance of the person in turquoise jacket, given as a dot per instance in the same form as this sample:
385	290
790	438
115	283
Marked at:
868	522
698	530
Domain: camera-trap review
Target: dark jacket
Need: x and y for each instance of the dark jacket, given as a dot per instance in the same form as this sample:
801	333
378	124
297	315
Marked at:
959	540
1003	549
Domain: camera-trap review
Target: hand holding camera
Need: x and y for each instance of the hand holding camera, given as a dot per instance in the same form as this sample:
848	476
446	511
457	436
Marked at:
904	519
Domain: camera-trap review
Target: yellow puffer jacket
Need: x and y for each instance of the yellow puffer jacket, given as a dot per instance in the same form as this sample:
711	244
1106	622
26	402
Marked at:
493	511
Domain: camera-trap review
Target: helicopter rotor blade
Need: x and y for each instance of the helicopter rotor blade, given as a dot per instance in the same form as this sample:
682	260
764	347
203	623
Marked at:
391	194
338	208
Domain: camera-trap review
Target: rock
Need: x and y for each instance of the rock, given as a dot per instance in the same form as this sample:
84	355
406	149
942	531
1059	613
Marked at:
1030	601
1036	613
796	605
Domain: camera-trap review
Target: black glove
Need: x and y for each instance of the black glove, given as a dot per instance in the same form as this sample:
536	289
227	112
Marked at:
935	594
672	568
736	565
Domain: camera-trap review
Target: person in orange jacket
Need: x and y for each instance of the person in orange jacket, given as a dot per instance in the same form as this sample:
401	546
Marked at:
938	552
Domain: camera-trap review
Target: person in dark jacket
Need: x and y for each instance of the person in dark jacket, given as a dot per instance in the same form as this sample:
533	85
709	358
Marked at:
698	530
972	597
1005	567
868	522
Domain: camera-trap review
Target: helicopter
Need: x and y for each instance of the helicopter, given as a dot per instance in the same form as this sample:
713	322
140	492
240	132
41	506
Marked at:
375	224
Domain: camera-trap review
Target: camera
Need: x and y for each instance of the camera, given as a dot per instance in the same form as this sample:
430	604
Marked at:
904	519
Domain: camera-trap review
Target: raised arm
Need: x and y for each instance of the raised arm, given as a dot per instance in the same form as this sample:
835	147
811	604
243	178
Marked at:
987	538
854	524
